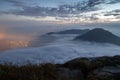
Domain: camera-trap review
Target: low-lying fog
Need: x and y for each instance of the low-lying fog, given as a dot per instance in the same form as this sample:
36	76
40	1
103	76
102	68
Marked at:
22	35
25	44
62	49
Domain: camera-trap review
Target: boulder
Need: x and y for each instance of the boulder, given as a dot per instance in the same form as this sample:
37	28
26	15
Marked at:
67	74
105	73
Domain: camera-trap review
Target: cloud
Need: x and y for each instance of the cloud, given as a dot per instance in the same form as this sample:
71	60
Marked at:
65	12
61	11
113	13
16	3
33	11
114	1
59	51
92	3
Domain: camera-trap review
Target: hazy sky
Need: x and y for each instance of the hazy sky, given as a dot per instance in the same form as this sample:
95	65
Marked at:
61	11
32	16
20	20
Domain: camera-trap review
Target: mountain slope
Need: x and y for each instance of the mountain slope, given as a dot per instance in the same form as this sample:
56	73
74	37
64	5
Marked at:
72	31
99	35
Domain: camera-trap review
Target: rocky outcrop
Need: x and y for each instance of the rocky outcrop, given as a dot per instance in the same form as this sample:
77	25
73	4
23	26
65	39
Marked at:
67	74
101	68
105	73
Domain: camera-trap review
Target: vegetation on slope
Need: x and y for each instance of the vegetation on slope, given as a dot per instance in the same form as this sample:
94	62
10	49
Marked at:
100	68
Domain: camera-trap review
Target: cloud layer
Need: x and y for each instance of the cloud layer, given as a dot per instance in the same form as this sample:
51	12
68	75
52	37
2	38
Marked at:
63	11
59	51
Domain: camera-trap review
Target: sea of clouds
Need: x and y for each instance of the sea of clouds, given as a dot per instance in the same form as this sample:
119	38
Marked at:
59	51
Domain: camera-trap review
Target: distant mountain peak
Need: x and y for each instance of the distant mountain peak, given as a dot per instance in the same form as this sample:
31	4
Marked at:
99	35
71	31
99	30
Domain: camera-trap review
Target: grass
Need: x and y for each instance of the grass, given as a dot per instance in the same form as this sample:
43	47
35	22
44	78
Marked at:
28	72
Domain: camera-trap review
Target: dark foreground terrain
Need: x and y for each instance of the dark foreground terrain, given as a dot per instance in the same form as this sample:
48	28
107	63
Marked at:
100	68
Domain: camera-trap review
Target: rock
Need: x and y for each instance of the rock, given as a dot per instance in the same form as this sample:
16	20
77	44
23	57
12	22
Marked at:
87	65
67	74
105	73
105	61
82	64
99	68
78	63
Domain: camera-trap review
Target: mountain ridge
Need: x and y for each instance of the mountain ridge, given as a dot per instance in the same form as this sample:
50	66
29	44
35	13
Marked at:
99	35
71	31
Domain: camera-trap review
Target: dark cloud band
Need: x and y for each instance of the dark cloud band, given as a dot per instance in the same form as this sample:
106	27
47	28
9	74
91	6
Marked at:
62	10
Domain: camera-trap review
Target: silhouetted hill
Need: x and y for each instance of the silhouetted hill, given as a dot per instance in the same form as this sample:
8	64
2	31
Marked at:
99	68
72	31
99	35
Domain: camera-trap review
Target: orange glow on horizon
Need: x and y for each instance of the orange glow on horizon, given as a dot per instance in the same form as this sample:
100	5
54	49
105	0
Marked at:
2	36
9	41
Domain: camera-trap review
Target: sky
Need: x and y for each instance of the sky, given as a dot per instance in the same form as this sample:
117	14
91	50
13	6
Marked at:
22	20
61	11
32	16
